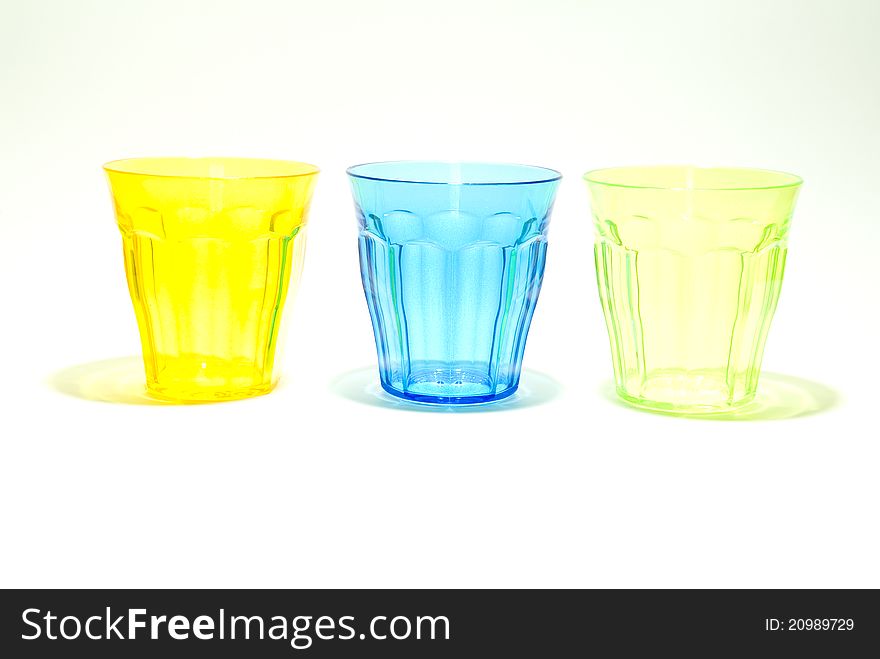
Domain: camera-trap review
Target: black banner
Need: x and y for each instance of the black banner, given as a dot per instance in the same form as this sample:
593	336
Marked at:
437	623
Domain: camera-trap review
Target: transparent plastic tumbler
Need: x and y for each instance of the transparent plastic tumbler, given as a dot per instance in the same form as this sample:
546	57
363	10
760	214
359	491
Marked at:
210	245
689	264
452	259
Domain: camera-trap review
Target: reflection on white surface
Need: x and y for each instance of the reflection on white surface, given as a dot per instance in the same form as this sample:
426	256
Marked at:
778	397
362	386
117	380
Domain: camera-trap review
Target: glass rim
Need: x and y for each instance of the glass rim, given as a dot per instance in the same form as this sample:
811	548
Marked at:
118	167
793	181
552	174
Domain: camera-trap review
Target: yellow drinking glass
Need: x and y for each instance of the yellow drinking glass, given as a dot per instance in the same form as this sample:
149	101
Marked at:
210	245
689	263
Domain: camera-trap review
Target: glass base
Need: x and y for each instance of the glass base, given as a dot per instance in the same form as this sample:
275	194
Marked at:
187	395
448	386
192	378
685	392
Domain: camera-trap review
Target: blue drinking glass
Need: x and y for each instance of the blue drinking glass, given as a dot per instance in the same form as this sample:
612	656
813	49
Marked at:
452	258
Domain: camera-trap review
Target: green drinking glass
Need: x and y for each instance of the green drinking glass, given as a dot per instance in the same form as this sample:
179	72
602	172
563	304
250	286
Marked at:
689	263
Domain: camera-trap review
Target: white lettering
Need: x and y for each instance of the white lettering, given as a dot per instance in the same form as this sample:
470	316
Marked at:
203	628
178	628
112	628
134	623
89	628
78	627
154	625
24	618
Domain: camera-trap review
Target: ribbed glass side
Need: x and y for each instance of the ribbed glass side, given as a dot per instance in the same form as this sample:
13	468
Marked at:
209	262
688	331
451	279
208	312
689	278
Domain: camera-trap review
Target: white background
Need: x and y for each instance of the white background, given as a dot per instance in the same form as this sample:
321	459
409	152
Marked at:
324	483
